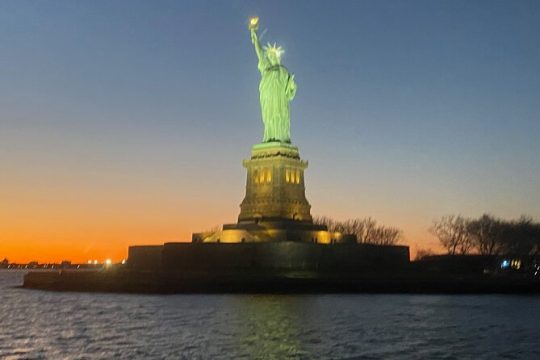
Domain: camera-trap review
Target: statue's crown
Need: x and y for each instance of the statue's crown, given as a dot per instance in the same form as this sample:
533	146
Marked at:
275	49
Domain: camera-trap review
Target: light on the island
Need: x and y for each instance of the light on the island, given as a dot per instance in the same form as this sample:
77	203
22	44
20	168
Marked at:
108	262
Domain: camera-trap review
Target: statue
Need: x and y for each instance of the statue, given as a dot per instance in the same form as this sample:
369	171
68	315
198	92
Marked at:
276	89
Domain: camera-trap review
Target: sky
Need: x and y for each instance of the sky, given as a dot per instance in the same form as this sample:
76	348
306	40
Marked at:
126	122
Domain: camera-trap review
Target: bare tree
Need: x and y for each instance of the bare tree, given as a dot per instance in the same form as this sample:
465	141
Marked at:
367	230
486	234
386	235
521	237
452	232
331	224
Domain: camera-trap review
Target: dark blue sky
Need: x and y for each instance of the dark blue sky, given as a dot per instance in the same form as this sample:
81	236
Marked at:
406	110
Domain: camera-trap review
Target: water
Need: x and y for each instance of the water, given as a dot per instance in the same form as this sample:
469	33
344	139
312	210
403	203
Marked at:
48	325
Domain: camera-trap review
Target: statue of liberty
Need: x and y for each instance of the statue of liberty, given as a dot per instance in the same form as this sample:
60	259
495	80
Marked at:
276	89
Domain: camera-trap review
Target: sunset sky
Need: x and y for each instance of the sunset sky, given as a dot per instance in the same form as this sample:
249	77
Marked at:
126	122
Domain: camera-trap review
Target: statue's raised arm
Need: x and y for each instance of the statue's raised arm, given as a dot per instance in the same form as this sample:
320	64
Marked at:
253	27
276	89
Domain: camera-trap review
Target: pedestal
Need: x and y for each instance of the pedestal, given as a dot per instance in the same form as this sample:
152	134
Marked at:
275	208
275	185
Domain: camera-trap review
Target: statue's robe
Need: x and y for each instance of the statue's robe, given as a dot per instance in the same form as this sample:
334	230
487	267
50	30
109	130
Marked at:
276	89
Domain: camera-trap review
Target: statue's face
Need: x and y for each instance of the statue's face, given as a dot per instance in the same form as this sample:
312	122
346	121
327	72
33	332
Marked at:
272	57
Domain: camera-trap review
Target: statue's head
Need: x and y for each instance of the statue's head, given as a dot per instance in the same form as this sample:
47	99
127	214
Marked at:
273	53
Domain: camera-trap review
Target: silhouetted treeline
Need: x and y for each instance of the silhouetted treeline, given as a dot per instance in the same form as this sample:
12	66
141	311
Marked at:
367	230
488	235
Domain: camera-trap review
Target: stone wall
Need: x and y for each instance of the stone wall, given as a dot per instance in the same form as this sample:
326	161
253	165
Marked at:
145	257
282	256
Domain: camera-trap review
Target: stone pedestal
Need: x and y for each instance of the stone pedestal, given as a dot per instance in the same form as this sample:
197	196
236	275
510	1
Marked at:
275	207
275	185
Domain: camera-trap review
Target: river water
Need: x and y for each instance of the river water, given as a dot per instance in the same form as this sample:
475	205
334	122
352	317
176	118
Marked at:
48	325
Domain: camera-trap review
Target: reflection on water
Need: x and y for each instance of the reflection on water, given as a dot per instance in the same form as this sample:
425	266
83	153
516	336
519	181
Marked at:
43	325
270	326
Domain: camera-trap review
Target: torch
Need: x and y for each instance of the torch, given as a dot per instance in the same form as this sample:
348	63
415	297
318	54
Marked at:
254	23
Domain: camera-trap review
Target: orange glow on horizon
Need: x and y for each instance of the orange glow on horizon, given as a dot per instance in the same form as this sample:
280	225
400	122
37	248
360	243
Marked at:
48	241
51	220
51	227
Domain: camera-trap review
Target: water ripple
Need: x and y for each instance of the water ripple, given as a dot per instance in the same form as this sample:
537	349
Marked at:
49	325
